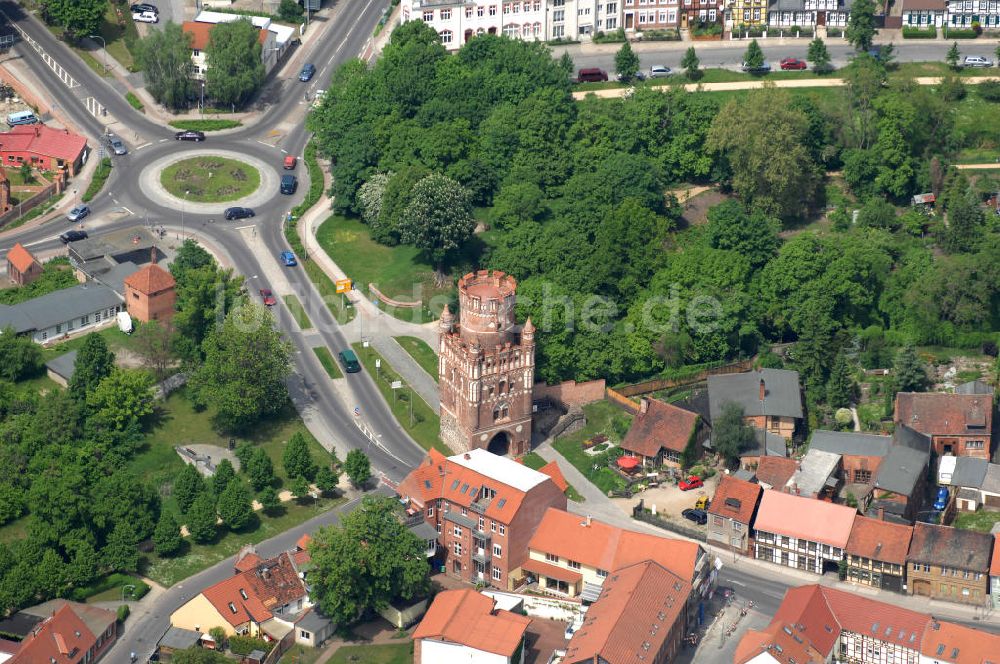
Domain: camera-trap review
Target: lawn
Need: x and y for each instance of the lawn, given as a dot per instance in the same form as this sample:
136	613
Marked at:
422	353
399	272
340	307
115	338
298	311
982	521
602	417
120	38
426	423
210	179
101	174
301	654
206	125
535	461
978	121
388	653
326	359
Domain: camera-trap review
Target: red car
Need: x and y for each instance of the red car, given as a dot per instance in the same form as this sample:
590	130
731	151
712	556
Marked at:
269	301
692	482
290	161
793	63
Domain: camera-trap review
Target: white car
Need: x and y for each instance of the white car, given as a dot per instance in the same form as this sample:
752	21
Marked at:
976	61
146	17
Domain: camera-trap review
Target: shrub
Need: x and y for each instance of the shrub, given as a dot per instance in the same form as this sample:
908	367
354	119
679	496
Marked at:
133	101
661	35
244	645
989	90
615	37
205	125
954	33
123	612
97	183
109	582
910	32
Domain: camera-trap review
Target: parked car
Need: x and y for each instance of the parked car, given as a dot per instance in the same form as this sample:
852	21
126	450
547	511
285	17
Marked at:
290	161
78	213
793	63
116	145
144	7
702	503
73	236
976	61
288	258
289	183
238	213
638	76
591	75
308	70
659	71
942	498
268	297
762	69
692	482
146	17
196	136
698	516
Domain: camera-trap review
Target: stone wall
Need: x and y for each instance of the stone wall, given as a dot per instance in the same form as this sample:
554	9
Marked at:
571	393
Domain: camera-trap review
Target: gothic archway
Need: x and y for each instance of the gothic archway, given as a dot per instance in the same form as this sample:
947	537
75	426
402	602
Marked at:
499	444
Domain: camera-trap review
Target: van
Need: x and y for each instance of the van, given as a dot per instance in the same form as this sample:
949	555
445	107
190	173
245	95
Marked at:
350	361
21	118
592	75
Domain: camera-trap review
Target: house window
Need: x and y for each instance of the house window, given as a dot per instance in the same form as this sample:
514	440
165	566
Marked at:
480	11
58	328
232	607
497	550
862	476
503	529
304	634
497	574
573	564
559	15
551	558
482	524
465	512
974	445
468	12
85	319
717	520
446	36
445	14
493	10
45	335
430	511
493	526
197	53
737	526
458	548
603	573
428	17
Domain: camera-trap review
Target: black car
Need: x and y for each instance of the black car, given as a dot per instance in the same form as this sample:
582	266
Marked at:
307	72
73	236
289	183
143	7
238	213
196	136
698	516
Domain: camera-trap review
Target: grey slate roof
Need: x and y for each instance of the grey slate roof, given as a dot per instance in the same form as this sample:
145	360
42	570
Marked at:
969	472
63	365
950	547
850	443
974	387
745	475
907	437
815	468
312	621
991	483
782	398
768	444
179	639
787	5
901	469
59	306
115	277
424	531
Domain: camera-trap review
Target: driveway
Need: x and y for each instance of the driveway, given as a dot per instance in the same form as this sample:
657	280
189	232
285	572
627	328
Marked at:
669	501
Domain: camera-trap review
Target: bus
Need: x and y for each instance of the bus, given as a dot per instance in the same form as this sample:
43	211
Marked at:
21	118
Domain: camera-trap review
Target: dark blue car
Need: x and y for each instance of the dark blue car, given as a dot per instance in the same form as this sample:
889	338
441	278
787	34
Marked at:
307	72
942	498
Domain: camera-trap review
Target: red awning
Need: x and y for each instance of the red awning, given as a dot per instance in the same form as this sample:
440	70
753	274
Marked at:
627	463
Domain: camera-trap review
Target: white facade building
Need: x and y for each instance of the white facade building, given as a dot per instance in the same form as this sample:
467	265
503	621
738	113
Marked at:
457	22
963	13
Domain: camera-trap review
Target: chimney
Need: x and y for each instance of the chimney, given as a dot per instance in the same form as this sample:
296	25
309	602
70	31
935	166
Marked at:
588	521
763	390
643	406
467	456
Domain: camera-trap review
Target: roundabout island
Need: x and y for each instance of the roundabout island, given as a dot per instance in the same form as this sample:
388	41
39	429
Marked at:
210	178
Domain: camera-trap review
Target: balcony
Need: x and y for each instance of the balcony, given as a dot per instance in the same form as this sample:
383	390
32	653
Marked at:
481	555
480	506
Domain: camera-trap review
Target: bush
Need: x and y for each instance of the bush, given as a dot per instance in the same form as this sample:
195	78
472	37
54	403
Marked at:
834	32
123	612
133	101
107	583
100	177
989	90
205	125
910	32
616	37
244	645
954	33
290	11
706	29
661	35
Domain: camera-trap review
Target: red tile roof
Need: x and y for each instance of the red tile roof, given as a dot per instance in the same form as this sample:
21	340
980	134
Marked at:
200	34
304	541
939	414
780	642
948	642
20	258
64	637
635	614
607	547
273	584
43	140
805	518
468	618
150	280
880	540
247	562
662	425
775	471
553	471
735	499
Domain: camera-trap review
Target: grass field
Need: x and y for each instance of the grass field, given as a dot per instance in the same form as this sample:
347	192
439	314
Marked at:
115	338
982	521
535	461
340	307
426	423
422	353
600	419
388	653
298	311
120	38
329	363
210	179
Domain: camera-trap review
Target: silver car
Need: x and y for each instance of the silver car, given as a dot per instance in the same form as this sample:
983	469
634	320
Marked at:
116	145
976	61
78	213
659	71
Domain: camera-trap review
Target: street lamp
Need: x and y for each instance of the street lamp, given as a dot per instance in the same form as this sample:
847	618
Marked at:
104	47
184	205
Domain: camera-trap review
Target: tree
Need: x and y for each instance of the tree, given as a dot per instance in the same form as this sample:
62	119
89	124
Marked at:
730	435
690	64
953	55
296	459
246	363
122	399
27	175
167	537
626	62
358	467
188	485
94	363
234	67
259	469
268	499
818	55
909	372
164	56
79	17
235	505
965	223
22	357
371	559
753	236
121	553
223	475
840	388
326	479
861	25
300	488
438	218
753	58
153	344
202	518
290	11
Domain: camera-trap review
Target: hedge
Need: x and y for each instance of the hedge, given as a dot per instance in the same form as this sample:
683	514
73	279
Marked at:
244	645
134	101
661	35
107	583
955	33
100	177
205	125
929	32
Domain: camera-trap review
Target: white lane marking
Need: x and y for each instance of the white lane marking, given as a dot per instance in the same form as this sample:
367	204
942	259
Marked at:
242	228
163	140
144	145
127	210
267	144
43	241
737	583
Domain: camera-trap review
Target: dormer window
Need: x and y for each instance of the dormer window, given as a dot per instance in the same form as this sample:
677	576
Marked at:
232	607
243	593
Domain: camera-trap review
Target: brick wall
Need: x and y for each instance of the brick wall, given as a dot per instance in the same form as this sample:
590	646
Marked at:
571	393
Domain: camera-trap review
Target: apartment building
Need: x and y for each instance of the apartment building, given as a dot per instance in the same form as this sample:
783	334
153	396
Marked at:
876	553
949	564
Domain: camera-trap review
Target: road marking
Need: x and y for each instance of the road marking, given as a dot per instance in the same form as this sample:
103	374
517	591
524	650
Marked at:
127	210
163	140
737	583
147	144
42	241
267	144
243	228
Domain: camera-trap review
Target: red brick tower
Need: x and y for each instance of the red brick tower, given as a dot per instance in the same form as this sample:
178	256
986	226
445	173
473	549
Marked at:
486	368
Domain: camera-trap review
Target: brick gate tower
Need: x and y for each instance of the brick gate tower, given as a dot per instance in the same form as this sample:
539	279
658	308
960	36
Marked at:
486	369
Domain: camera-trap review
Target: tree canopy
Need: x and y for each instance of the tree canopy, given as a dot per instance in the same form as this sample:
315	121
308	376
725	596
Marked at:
165	58
235	70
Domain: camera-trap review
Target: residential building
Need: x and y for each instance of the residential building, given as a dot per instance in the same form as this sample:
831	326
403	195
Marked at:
465	626
282	36
581	19
313	628
951	643
731	512
456	22
149	294
995	572
901	477
963	13
661	432
788	13
770	398
22	266
486	368
60	369
860	453
924	13
816	475
639	617
957	424
573	556
263	601
63	312
767	445
200	35
974	482
745	13
774	472
67	632
949	564
876	553
485	509
43	147
641	15
801	532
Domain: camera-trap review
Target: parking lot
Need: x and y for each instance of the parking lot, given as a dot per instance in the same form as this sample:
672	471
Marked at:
669	501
